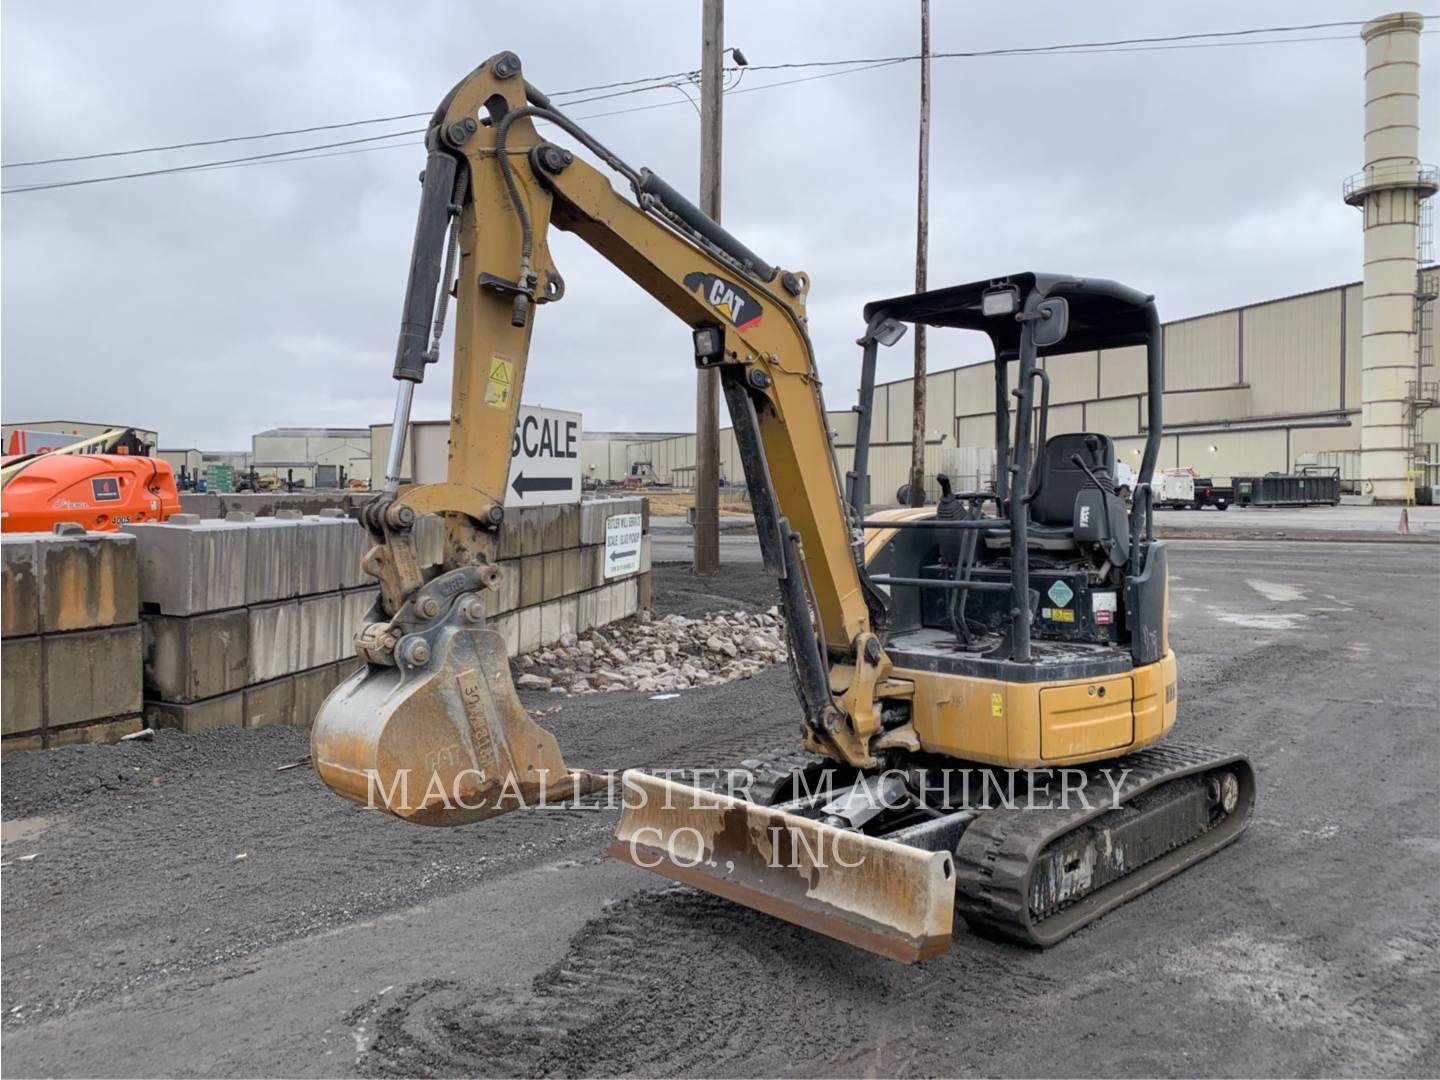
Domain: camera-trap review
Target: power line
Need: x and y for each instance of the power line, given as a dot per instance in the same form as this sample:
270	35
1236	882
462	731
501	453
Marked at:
206	164
633	86
327	127
854	66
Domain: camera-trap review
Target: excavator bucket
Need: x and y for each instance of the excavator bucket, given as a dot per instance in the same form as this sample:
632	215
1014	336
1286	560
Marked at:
886	897
444	742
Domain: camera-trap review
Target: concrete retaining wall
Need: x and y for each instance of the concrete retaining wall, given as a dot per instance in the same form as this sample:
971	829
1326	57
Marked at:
71	657
250	621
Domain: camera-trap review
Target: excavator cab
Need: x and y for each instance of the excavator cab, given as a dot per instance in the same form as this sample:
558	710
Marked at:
997	638
1051	537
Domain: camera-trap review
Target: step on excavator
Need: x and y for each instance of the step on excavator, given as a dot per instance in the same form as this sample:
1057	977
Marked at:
971	676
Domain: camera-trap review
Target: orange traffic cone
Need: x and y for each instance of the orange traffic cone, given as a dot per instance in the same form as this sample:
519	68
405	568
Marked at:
1403	529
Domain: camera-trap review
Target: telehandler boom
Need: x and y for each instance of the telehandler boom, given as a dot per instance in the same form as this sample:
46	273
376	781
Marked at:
985	644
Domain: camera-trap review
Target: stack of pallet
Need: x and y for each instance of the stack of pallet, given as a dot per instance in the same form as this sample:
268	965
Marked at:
72	643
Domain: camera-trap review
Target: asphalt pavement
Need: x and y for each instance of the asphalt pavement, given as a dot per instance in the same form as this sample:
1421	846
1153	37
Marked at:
180	907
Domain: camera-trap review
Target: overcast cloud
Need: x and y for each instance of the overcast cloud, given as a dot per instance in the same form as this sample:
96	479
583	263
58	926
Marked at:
213	305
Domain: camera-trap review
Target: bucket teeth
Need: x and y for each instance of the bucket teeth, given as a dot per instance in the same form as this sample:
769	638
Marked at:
882	896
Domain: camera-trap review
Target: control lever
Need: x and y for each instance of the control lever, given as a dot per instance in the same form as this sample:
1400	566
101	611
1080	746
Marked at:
1075	459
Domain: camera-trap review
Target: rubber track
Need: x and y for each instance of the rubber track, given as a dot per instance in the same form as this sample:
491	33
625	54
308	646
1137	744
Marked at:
994	858
770	771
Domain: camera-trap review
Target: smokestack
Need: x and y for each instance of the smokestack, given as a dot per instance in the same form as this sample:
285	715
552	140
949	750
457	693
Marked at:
1389	192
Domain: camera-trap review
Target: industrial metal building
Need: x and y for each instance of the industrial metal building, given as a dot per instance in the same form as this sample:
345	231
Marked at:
316	457
1272	386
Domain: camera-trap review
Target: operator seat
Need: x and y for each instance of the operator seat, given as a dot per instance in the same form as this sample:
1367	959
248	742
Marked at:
1057	509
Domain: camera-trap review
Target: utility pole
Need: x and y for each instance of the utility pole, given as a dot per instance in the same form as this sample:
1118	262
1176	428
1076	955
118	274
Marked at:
922	256
707	380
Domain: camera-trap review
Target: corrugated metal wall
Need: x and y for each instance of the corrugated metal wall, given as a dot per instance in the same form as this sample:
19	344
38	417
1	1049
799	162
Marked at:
1261	385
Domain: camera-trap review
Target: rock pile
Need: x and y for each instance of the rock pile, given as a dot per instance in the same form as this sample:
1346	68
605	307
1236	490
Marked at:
656	655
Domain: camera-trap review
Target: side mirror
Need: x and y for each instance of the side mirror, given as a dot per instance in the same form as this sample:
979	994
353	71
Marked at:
1053	321
887	332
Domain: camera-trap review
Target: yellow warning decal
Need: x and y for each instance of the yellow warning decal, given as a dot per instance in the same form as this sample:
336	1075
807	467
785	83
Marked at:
497	386
1062	615
997	705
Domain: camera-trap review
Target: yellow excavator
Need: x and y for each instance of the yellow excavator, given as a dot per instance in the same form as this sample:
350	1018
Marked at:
982	683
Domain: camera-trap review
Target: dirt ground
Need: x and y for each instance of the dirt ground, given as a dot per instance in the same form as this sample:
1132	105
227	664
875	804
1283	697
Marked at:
676	503
189	910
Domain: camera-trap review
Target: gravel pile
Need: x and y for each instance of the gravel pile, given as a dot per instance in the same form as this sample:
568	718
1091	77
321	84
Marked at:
657	655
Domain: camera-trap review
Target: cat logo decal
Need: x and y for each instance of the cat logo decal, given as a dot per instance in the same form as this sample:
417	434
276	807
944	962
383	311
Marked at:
742	309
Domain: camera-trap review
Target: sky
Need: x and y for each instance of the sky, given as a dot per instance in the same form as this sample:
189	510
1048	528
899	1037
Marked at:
212	305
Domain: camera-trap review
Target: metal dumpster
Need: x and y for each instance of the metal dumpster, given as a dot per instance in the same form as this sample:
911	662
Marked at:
1317	488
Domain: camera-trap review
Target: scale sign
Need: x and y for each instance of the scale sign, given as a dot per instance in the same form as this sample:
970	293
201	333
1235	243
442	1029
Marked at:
544	458
622	545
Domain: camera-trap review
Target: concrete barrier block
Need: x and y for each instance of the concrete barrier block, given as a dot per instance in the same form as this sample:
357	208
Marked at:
101	734
585	612
570	525
529	632
20	742
270	703
323	550
354	605
602	605
274	640
311	690
585	568
21	709
20	602
570	562
629	597
550	629
552	528
92	675
87	581
527	523
569	615
593	514
274	561
320	631
358	542
507	596
349	666
187	659
507	544
228	710
508	627
553	569
532	580
189	569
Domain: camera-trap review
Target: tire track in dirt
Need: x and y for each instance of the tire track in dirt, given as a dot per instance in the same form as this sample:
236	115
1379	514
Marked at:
679	983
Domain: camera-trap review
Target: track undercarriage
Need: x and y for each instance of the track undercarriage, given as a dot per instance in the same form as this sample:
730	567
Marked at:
1031	855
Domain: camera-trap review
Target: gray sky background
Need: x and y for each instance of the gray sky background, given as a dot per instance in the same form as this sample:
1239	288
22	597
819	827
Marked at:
213	305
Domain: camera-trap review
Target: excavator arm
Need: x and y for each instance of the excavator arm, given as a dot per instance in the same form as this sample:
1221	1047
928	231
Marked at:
431	729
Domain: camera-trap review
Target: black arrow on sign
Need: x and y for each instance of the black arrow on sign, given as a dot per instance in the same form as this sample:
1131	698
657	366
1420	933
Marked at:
541	483
622	554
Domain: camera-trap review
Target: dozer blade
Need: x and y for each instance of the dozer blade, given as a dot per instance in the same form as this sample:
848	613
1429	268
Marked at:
889	898
445	742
